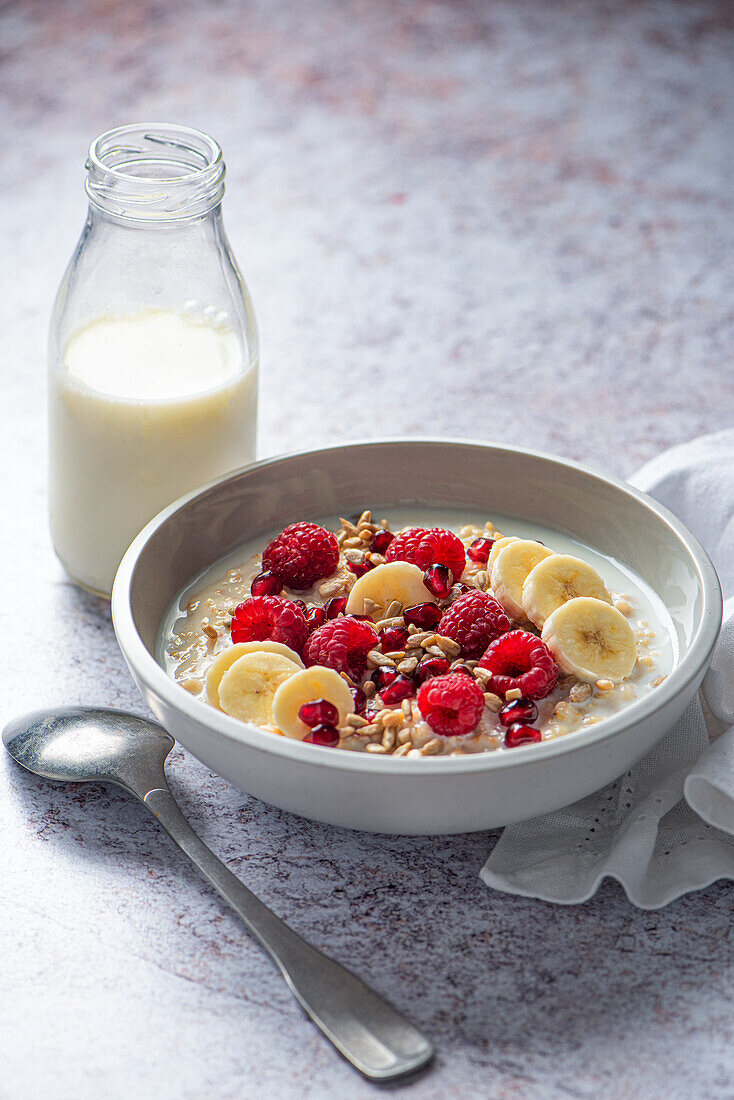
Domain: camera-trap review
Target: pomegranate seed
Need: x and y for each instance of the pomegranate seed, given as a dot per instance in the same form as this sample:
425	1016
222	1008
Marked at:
401	688
360	700
315	617
381	541
523	711
424	615
465	670
266	584
521	735
335	606
479	550
324	734
318	712
359	568
438	580
393	638
381	677
431	666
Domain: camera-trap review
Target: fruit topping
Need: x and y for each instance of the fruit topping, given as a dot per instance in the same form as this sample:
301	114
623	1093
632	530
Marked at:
479	550
381	541
451	705
509	570
315	617
474	620
519	710
359	568
342	644
382	676
520	661
424	615
335	606
302	554
393	638
311	699
266	584
438	580
554	581
520	734
383	585
423	548
324	734
591	639
360	700
400	688
431	666
318	711
271	617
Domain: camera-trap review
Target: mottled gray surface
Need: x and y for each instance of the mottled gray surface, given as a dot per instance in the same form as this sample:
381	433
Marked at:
507	221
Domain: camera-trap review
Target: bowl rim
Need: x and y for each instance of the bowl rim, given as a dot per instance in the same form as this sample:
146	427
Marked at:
223	727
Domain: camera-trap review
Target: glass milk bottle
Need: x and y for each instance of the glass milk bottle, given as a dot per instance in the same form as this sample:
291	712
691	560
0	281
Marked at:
153	350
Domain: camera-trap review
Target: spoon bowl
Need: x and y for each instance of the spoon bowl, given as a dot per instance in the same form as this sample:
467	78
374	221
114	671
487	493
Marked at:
88	744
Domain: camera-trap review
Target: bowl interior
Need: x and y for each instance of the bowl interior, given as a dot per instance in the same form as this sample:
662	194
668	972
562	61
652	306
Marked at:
605	515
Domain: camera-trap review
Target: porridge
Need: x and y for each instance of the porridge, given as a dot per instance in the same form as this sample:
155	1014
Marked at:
407	640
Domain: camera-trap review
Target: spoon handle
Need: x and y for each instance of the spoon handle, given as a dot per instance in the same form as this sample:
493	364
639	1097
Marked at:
368	1031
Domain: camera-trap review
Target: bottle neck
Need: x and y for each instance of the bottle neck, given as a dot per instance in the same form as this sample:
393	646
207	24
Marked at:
154	174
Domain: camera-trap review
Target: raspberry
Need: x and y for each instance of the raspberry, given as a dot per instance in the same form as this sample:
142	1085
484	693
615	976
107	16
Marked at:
302	554
342	644
520	660
452	704
270	617
474	620
424	548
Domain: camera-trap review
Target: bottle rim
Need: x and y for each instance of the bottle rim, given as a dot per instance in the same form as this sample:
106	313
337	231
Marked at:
155	171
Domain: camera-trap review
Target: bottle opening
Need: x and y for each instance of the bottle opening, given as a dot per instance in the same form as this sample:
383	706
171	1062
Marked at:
155	172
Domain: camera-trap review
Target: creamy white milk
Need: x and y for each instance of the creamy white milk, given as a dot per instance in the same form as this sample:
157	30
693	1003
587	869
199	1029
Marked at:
143	408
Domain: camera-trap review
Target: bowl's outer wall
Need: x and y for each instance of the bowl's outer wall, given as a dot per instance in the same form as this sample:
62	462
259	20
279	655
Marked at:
489	481
436	804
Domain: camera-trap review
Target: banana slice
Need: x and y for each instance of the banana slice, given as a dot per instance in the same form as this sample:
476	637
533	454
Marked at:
312	683
556	580
397	580
591	639
248	687
498	545
227	658
509	570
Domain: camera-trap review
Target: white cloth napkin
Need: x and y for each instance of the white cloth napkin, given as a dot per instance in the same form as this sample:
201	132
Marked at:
667	826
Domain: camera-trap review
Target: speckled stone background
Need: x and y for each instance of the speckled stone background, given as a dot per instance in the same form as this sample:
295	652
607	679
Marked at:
507	220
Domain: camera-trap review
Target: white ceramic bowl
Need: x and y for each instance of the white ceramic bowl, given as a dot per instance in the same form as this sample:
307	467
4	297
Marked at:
440	794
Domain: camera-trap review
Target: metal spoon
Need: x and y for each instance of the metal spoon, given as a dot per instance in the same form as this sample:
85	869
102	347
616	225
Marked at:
78	744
